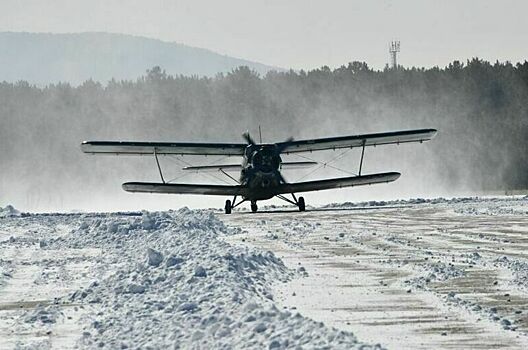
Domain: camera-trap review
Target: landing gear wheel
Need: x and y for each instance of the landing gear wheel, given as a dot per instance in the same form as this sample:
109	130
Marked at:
301	204
254	207
228	207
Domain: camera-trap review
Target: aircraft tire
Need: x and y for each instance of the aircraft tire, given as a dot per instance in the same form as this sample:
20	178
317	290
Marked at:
228	207
254	207
302	206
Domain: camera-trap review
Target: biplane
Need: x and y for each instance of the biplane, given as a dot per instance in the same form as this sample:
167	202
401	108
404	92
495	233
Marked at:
261	165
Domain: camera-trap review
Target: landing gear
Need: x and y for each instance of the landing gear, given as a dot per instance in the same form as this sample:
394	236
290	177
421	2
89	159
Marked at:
300	204
228	207
254	207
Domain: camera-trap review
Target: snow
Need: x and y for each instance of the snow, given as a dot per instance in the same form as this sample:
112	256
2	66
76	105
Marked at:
8	211
423	273
419	273
147	280
514	205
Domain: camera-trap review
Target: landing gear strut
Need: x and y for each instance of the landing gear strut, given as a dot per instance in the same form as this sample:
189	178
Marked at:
254	207
298	202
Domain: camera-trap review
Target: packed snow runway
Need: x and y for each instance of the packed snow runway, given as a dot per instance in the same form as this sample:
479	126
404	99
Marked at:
409	275
406	274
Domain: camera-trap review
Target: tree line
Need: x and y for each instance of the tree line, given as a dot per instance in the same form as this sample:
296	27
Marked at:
478	107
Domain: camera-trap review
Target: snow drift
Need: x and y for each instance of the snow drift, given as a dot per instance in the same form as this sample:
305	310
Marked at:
168	280
8	211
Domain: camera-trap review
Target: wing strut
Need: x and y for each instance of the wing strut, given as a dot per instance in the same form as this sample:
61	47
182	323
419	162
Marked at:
159	167
229	176
362	154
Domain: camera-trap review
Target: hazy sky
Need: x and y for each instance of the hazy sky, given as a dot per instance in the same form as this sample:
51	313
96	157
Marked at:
297	33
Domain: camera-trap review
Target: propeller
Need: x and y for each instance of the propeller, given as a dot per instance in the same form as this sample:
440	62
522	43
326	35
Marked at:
280	146
278	150
248	138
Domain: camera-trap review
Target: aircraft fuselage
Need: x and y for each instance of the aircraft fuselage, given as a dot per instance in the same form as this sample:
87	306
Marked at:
261	171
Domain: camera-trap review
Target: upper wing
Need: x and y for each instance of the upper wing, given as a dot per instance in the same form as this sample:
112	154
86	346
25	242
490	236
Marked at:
152	187
338	183
237	149
385	138
125	147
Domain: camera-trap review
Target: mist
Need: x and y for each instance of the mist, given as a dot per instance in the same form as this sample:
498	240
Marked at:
478	108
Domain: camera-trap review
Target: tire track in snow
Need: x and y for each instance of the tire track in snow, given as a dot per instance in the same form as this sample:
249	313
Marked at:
408	273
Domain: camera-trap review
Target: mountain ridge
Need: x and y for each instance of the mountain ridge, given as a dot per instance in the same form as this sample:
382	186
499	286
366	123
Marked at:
46	58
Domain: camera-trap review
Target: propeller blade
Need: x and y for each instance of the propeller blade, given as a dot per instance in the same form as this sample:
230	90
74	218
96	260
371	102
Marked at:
283	145
248	138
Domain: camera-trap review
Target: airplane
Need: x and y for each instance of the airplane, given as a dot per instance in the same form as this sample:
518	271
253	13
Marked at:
260	170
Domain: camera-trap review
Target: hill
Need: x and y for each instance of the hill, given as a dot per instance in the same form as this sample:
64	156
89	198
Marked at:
43	58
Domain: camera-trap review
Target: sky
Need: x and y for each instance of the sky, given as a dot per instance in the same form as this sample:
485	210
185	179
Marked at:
298	34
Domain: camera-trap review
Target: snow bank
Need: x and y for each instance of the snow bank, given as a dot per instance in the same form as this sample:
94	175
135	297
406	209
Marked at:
397	202
462	205
167	280
495	206
8	211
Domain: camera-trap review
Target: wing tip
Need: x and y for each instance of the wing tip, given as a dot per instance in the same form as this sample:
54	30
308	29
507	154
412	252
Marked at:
388	176
433	132
126	186
137	187
395	175
85	146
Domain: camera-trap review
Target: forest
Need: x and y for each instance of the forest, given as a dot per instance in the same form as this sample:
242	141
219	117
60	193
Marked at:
478	107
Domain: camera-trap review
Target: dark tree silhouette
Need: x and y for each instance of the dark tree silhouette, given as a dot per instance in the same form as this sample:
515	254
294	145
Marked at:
480	109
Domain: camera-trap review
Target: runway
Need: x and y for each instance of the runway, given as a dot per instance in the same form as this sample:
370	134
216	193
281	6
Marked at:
448	275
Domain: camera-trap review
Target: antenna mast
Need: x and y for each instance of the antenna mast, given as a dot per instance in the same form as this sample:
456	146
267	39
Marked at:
394	48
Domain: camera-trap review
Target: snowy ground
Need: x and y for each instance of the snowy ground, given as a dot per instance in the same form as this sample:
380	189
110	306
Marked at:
405	274
437	274
144	280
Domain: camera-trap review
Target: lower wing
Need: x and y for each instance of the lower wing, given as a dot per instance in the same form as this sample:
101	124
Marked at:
338	183
226	190
153	187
